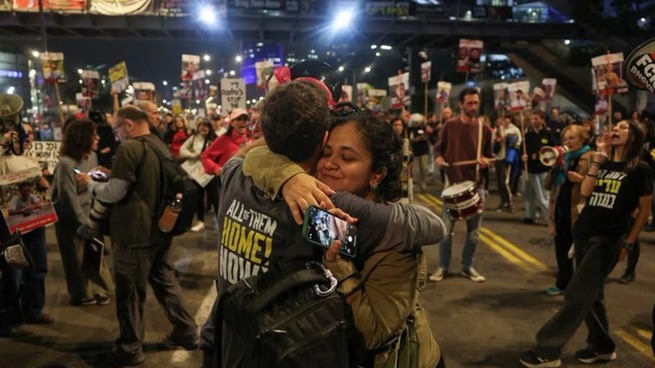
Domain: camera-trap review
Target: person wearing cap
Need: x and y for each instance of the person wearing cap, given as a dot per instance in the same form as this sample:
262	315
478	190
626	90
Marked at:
223	148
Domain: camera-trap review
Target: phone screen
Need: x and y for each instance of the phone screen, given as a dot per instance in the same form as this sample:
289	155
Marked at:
322	227
77	171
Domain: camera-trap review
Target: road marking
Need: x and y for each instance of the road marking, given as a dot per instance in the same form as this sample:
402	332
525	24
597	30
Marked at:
432	197
503	252
644	333
430	202
516	250
635	343
180	356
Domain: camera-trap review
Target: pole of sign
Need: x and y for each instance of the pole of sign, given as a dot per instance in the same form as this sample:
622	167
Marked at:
525	163
426	99
609	94
59	103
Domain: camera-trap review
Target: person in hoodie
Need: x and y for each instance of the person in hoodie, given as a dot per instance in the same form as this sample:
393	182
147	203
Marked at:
227	145
536	195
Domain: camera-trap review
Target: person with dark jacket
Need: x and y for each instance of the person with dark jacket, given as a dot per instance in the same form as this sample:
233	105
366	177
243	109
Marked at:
535	194
418	137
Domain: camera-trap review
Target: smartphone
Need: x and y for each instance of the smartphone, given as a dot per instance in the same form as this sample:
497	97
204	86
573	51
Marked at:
77	171
322	228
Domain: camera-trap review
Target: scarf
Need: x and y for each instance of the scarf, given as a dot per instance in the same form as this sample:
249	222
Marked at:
569	157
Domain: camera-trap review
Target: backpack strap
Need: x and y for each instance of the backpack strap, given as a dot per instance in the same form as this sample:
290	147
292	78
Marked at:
289	281
162	176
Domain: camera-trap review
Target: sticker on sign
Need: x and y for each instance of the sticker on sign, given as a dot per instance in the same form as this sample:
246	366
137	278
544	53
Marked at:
640	66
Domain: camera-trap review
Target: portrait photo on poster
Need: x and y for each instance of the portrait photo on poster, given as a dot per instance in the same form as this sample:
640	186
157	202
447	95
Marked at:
608	73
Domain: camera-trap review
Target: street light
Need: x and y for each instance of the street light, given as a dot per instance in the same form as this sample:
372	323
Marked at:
164	83
104	81
378	54
385	47
567	42
208	14
343	19
36	54
207	81
197	101
341	68
367	69
206	57
208	72
238	58
163	101
80	81
11	90
79	71
232	73
373	47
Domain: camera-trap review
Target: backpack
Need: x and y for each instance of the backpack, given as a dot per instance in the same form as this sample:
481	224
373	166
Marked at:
278	319
174	180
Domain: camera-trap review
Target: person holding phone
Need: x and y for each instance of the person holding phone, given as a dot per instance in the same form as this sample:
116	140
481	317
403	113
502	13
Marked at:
363	157
73	204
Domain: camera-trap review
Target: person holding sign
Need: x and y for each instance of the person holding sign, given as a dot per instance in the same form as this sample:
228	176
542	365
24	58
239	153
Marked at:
616	184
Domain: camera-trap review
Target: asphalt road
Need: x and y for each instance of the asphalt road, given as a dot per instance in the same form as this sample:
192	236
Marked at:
477	325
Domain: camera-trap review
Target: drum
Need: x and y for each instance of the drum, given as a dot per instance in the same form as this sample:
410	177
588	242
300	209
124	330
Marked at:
462	200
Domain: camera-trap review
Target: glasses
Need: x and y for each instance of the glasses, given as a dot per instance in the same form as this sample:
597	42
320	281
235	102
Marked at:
345	109
118	128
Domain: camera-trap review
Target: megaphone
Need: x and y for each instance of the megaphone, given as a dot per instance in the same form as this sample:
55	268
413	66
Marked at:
550	156
14	255
10	106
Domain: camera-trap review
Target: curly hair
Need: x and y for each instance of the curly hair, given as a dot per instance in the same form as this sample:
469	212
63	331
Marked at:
386	148
78	139
294	119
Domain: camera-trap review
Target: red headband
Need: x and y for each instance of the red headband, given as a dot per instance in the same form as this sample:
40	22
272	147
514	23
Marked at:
283	76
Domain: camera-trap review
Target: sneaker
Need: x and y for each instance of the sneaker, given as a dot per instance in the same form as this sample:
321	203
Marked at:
510	208
472	274
116	360
41	319
590	356
14	331
627	278
85	303
174	340
532	360
198	227
438	275
554	291
501	208
102	300
529	221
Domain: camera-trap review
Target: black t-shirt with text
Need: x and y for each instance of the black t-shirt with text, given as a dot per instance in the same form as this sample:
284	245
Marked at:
615	196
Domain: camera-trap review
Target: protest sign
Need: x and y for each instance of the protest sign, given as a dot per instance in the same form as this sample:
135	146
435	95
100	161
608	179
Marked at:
190	65
470	52
90	80
25	201
48	5
144	91
118	77
233	94
608	73
362	93
176	106
53	67
346	93
47	153
426	71
374	99
197	172
399	91
264	70
519	95
443	91
640	66
501	96
83	103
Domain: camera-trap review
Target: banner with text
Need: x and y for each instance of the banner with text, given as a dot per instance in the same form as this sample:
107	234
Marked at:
233	94
640	66
46	152
119	7
48	5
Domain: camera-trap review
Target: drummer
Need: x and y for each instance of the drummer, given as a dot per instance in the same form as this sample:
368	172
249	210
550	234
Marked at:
465	131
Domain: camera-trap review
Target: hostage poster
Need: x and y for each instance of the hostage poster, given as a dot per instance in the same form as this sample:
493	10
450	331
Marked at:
470	53
25	200
519	95
233	94
53	67
501	96
346	93
608	73
375	100
443	91
264	70
190	65
426	71
118	77
83	103
144	91
362	93
90	80
399	91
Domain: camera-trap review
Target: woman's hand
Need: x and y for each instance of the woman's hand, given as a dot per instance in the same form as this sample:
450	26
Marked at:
574	177
302	191
603	146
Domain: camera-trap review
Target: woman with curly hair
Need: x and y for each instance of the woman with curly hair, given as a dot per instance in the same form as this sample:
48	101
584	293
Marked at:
363	156
85	286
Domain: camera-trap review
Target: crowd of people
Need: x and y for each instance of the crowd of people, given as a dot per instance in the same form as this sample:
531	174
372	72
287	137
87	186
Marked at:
320	153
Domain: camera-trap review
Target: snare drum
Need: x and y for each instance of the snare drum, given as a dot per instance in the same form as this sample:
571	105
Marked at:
462	200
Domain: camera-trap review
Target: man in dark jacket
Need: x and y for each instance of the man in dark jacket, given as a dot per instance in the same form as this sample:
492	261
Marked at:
535	194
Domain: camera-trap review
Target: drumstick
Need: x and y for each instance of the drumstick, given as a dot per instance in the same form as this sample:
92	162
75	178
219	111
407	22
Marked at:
464	163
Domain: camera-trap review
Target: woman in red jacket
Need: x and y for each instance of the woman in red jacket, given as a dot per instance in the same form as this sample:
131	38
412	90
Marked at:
180	135
224	147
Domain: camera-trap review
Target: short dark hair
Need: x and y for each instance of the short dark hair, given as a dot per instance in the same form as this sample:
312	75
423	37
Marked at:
24	184
78	139
466	92
133	113
540	113
294	118
386	147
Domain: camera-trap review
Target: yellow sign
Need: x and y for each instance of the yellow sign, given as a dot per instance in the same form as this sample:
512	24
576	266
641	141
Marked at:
118	77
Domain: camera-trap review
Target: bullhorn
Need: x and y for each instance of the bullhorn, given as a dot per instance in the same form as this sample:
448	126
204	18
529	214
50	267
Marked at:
10	105
14	255
549	156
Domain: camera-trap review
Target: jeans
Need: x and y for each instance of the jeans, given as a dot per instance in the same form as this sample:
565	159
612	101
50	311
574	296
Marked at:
134	267
503	171
200	212
536	196
22	292
421	168
472	235
584	300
